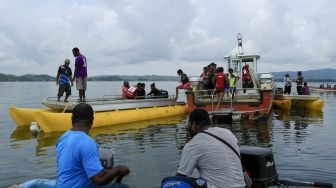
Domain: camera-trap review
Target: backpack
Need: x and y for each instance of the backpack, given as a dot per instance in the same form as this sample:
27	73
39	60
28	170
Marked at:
164	93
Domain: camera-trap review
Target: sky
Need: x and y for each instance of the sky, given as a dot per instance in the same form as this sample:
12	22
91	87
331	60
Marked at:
158	37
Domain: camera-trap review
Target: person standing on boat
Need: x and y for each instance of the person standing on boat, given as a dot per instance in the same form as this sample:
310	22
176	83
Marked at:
219	85
299	83
288	84
233	82
246	78
80	73
214	160
210	77
203	76
78	163
124	89
63	80
184	81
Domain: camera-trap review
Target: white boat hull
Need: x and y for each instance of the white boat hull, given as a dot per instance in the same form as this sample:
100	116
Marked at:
101	105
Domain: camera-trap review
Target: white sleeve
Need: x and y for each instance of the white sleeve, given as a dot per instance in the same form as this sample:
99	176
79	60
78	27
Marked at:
189	159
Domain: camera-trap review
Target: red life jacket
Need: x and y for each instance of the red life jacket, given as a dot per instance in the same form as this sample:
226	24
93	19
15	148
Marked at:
131	92
220	81
246	74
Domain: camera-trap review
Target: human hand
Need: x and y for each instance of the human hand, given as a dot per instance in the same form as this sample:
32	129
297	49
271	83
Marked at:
123	170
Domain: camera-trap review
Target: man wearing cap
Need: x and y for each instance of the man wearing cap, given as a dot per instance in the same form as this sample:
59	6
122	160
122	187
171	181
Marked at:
216	162
63	80
78	163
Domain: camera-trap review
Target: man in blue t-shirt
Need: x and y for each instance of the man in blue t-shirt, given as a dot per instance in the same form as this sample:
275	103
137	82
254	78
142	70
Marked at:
78	163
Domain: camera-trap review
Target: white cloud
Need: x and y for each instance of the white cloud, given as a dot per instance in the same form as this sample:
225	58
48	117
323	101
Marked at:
159	37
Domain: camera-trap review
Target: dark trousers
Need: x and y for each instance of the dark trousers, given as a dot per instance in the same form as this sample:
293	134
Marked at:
299	90
288	90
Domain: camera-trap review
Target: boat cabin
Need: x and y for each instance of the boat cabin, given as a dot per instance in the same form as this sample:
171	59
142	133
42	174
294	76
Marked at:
253	100
237	62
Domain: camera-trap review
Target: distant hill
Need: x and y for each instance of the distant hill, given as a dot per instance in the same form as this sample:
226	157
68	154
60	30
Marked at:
43	77
311	75
25	78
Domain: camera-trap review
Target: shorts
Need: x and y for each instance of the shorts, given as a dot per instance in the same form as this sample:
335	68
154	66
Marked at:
232	89
81	83
219	89
184	86
64	88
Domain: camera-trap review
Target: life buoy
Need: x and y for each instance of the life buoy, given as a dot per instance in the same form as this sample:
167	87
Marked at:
131	92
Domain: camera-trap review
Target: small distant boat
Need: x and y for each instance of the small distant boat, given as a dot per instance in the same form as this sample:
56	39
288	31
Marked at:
319	89
286	102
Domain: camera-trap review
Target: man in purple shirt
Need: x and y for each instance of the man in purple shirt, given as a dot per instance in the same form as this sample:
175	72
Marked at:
80	73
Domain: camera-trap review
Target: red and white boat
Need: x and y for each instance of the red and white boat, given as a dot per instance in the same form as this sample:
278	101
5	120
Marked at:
256	102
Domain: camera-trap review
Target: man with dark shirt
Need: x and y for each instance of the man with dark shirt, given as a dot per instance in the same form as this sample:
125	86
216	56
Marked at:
63	79
154	91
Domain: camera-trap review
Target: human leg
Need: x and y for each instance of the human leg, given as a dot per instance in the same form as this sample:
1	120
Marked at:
233	92
219	99
67	92
61	89
245	85
81	86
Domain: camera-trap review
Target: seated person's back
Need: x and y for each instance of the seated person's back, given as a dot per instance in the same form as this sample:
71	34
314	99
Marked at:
154	91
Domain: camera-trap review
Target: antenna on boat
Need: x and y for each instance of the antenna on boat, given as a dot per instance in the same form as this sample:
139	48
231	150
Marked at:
240	44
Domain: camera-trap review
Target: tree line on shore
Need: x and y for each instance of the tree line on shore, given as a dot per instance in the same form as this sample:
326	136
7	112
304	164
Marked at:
321	75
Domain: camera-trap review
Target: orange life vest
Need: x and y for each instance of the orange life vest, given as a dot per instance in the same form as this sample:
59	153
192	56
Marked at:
131	92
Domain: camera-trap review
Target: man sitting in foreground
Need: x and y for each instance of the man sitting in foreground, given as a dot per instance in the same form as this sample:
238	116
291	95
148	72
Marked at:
215	161
78	163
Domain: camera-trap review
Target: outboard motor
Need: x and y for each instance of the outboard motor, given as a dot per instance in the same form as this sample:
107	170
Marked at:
259	164
106	157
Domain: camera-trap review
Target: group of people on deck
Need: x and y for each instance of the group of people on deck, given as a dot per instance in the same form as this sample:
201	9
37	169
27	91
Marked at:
138	91
214	79
301	86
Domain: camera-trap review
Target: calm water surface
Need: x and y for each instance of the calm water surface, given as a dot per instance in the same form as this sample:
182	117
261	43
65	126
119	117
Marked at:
303	142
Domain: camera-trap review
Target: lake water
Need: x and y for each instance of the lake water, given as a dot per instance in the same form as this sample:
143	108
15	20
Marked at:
303	142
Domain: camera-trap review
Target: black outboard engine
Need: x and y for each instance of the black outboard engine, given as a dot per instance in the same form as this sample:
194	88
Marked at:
106	157
259	164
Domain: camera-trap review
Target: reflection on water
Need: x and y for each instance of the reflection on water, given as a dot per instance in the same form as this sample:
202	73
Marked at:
302	142
152	148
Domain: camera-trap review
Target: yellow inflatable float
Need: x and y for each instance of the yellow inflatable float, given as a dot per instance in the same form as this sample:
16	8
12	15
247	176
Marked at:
51	121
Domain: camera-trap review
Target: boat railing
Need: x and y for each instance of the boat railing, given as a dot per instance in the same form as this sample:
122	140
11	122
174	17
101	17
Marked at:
119	97
74	99
250	95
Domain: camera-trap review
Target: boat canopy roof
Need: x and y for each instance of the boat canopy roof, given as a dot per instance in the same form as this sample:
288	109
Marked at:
266	76
244	58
